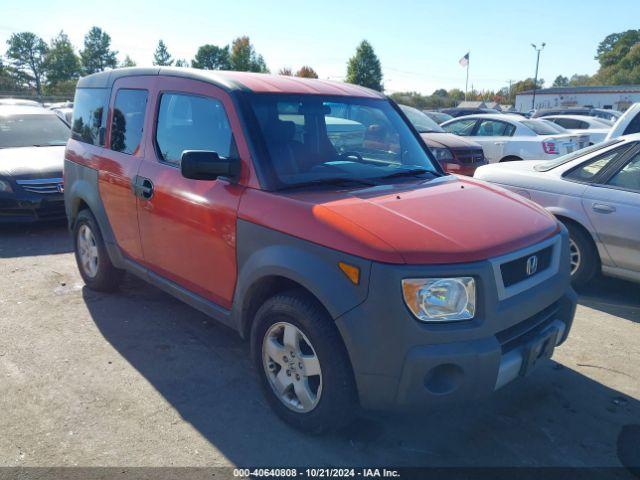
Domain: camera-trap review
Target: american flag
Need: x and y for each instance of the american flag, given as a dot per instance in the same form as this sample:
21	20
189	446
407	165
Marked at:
464	61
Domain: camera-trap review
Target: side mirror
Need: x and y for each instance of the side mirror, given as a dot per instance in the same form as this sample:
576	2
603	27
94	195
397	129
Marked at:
207	165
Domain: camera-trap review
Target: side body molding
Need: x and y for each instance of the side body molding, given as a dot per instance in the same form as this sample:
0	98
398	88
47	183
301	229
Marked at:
81	186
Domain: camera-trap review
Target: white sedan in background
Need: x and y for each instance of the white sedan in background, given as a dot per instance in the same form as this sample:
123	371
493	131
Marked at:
595	193
508	137
597	128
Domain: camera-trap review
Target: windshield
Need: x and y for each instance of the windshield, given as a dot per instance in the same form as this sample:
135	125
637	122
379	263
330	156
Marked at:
551	164
420	121
315	139
32	130
539	127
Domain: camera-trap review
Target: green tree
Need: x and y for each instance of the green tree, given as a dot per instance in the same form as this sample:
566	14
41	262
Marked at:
181	62
127	62
8	79
616	46
561	81
61	62
97	54
578	80
27	53
243	57
364	67
456	94
286	72
306	72
620	61
162	57
212	57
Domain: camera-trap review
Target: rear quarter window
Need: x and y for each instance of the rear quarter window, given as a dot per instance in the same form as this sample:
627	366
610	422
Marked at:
89	112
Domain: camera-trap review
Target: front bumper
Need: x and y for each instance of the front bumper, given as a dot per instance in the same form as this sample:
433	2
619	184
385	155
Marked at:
401	363
25	207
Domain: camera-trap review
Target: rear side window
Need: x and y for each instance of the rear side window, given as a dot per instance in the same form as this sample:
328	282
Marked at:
634	125
88	115
588	170
493	128
189	122
571	123
461	127
128	120
629	176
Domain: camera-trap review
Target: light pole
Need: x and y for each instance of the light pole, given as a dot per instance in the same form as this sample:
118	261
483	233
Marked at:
535	80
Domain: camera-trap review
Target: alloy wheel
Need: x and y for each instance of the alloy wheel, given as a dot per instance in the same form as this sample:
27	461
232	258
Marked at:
292	367
574	255
87	251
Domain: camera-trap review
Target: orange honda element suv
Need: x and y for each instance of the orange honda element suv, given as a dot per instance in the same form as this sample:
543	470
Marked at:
311	217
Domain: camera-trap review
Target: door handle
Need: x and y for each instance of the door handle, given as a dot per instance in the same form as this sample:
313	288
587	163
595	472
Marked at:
143	187
603	208
498	143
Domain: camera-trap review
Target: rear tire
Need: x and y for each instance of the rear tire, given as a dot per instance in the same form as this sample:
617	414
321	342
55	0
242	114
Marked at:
94	263
583	255
320	369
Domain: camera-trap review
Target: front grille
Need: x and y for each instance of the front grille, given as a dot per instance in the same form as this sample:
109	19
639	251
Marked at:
516	270
469	156
521	332
42	185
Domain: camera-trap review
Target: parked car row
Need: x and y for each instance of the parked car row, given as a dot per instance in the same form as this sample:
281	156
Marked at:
506	138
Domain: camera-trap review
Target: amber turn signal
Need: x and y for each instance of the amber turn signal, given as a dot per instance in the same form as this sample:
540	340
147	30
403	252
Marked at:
352	272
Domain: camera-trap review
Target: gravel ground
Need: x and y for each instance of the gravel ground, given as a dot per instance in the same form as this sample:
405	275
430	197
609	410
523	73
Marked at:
139	379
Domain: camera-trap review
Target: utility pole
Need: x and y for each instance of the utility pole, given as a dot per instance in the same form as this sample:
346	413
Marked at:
535	80
509	99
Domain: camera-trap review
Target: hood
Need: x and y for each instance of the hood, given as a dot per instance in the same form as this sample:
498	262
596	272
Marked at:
448	140
447	220
31	161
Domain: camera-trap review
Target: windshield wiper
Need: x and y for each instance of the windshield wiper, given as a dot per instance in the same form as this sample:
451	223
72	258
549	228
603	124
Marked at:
340	181
409	173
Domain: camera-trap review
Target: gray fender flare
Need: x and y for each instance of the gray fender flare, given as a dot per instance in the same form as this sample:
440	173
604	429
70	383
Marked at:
313	267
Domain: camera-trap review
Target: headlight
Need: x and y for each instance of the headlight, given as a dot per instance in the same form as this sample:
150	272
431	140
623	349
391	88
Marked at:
442	154
440	299
5	186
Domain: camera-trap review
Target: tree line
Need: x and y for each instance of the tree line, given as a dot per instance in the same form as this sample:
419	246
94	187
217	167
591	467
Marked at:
618	55
31	65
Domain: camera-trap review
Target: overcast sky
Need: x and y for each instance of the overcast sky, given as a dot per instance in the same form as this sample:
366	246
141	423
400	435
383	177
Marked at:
419	43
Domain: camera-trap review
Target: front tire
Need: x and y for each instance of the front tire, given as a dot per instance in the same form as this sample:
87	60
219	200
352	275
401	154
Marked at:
302	363
94	263
583	256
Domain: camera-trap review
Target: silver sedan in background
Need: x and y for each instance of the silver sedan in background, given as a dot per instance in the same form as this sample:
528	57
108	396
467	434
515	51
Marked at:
595	193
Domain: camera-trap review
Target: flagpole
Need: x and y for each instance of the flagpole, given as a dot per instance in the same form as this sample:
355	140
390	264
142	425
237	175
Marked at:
466	85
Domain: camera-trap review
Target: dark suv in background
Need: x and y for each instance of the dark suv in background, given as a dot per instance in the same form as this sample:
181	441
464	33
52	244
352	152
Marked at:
456	154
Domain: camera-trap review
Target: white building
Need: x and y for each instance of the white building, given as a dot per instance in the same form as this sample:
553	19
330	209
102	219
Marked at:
616	97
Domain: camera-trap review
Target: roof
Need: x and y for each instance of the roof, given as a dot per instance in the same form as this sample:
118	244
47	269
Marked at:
491	116
230	81
469	104
584	89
